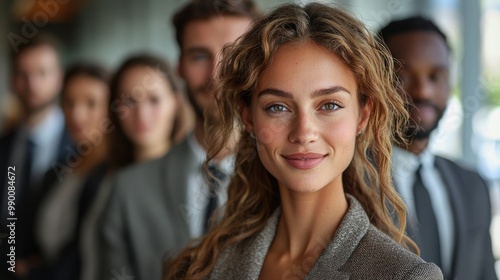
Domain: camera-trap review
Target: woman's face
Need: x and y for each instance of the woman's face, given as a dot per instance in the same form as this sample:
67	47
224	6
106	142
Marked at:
85	107
148	106
305	116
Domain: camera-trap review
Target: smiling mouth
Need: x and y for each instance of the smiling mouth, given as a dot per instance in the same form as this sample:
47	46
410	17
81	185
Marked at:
304	161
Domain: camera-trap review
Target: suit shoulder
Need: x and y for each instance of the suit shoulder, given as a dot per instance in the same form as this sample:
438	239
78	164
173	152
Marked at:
380	257
6	139
138	170
149	173
459	169
134	178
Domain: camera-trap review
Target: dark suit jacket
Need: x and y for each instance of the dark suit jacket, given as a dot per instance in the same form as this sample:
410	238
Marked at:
28	200
145	218
358	250
470	202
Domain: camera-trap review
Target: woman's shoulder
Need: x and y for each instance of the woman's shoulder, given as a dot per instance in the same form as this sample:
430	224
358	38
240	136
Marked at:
379	257
244	259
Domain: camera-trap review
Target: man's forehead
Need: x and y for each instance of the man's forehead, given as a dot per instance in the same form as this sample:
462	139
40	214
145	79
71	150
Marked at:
38	56
214	32
419	46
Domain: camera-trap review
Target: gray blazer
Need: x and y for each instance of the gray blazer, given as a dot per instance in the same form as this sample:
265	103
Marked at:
357	251
144	219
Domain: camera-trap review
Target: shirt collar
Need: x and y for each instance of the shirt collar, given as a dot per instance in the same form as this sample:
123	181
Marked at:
427	158
45	133
409	161
404	160
225	165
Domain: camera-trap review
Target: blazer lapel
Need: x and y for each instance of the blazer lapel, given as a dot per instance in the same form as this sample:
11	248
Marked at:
451	182
352	229
245	261
175	169
177	165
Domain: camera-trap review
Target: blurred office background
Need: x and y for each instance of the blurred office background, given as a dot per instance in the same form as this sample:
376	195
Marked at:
109	30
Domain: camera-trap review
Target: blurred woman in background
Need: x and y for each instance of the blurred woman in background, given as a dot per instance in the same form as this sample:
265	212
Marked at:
148	115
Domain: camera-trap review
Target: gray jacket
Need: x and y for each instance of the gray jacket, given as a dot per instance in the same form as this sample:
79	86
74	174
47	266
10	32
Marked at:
357	251
144	220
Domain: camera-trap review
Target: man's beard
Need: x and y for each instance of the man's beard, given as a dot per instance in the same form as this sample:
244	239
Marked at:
198	111
39	108
415	131
207	88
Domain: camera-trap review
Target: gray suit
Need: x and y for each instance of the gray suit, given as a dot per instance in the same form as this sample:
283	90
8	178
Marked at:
144	220
357	251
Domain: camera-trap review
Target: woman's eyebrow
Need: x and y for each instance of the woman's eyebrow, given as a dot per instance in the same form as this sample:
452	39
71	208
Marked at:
328	91
316	93
275	92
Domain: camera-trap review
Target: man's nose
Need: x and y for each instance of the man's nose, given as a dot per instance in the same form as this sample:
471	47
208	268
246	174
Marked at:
420	88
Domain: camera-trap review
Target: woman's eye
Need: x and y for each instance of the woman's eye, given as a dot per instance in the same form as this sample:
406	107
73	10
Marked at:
276	108
91	104
154	100
330	106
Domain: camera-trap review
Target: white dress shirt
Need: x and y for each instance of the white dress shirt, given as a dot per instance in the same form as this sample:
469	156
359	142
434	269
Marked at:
46	138
404	166
198	190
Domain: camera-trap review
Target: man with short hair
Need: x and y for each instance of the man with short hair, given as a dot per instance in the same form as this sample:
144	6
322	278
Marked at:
39	140
157	207
449	211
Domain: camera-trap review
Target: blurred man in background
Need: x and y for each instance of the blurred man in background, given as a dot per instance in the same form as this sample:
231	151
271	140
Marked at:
39	140
157	207
449	210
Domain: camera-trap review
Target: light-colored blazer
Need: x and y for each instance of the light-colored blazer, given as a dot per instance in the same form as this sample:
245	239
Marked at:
144	219
357	251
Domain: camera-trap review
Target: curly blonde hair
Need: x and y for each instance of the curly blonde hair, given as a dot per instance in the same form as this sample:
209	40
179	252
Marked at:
253	192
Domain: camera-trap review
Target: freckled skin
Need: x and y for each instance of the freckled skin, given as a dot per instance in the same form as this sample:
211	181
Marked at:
305	116
306	125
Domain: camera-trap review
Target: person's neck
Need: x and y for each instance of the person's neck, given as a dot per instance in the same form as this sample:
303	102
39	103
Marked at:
35	118
417	146
97	156
199	134
309	220
152	151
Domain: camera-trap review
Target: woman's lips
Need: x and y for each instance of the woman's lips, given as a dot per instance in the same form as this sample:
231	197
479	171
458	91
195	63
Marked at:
304	160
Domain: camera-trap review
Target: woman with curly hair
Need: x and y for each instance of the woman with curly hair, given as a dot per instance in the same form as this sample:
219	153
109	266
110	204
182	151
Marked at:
314	97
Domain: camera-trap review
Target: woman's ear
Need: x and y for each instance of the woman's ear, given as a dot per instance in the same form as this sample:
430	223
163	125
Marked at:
364	116
246	117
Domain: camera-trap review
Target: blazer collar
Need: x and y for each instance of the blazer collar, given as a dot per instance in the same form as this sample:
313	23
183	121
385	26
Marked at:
351	230
346	239
176	166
